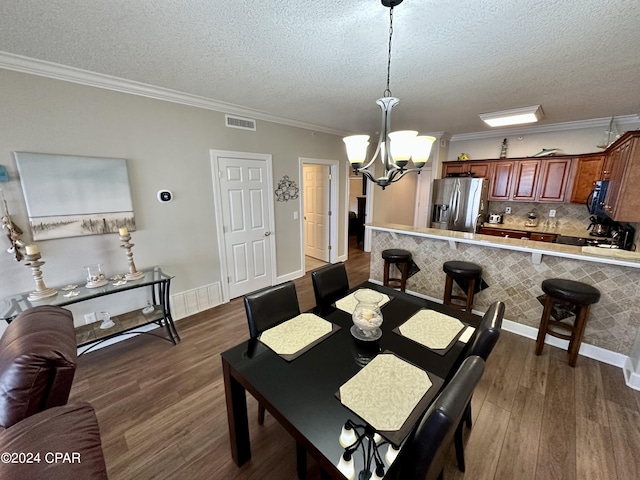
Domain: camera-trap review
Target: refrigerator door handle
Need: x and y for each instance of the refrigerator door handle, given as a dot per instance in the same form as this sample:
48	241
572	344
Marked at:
475	223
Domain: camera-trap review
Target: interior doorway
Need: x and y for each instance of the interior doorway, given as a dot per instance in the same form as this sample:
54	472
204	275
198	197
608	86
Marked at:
316	185
319	181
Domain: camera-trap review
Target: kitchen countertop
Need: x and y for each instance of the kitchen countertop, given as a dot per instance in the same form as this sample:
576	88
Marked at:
537	249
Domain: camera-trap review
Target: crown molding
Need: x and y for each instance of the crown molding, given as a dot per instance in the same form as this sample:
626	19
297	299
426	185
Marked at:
42	68
551	127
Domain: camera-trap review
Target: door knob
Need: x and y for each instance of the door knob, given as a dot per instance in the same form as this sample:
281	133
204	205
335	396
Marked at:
266	234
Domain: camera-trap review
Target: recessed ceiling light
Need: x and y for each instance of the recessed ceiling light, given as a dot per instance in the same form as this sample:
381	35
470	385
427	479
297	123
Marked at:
515	116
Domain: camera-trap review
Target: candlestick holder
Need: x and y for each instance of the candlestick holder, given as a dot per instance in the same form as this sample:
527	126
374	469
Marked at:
133	274
41	291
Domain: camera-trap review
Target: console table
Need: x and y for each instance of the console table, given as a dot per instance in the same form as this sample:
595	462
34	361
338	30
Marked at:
91	334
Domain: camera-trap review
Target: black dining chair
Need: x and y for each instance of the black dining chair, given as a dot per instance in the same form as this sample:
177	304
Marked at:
270	306
487	336
330	283
424	454
267	308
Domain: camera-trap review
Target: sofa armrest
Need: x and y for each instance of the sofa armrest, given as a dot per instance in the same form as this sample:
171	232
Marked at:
37	363
61	442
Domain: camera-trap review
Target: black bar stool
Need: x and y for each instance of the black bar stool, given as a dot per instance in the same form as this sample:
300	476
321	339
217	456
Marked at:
402	258
467	273
574	294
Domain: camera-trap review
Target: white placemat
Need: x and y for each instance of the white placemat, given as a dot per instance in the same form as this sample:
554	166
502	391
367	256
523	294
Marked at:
295	334
385	392
466	335
348	303
432	329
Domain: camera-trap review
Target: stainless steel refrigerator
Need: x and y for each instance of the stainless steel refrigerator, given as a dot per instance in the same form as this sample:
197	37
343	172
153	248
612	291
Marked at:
459	203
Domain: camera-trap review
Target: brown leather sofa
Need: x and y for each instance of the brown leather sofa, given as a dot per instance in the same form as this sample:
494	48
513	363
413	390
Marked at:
41	437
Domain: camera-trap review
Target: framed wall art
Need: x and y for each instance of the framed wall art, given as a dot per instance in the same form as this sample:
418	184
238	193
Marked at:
70	196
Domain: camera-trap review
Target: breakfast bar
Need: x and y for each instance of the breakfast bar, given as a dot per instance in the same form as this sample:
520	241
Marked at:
514	270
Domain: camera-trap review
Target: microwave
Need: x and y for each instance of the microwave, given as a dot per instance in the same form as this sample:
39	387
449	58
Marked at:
595	201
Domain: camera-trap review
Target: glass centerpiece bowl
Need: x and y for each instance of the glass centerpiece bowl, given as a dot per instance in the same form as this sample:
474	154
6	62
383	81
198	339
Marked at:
367	316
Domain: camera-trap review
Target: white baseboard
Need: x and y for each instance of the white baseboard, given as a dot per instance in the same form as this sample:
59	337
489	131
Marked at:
630	377
289	276
190	302
591	351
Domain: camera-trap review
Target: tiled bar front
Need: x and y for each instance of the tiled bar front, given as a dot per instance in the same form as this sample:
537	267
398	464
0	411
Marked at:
515	279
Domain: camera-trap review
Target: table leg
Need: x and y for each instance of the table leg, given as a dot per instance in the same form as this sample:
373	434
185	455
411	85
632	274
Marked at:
166	305
301	461
237	417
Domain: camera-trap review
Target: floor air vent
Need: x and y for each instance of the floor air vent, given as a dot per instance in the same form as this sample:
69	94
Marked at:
240	122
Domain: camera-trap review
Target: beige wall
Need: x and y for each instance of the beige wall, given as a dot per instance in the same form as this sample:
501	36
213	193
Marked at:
166	145
396	203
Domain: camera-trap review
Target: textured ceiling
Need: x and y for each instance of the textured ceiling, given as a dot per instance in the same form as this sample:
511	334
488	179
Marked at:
324	61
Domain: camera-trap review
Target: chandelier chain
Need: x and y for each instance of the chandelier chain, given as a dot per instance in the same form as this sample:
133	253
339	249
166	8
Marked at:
387	92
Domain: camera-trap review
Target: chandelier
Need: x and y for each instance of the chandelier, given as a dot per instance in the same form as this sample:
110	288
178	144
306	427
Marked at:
394	149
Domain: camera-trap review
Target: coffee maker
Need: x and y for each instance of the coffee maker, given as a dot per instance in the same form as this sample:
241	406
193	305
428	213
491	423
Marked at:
623	235
600	226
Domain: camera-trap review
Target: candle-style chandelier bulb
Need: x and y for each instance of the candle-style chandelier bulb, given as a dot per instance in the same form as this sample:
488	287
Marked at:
347	436
391	454
345	466
378	473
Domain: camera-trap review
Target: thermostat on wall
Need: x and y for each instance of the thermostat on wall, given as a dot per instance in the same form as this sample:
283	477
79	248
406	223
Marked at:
165	196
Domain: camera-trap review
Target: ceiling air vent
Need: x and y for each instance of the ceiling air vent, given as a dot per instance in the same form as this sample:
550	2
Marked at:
240	122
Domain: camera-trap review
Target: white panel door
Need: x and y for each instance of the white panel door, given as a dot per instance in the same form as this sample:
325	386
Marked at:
247	226
316	211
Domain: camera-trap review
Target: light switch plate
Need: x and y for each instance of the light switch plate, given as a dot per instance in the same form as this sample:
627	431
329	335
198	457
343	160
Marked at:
552	213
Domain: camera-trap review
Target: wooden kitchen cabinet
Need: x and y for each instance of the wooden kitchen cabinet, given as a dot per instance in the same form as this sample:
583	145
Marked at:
500	232
622	202
453	168
500	180
554	177
588	169
478	169
607	167
564	178
525	180
514	180
543	237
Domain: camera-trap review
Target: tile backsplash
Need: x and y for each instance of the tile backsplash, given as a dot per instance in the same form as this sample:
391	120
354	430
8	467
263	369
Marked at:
568	215
571	217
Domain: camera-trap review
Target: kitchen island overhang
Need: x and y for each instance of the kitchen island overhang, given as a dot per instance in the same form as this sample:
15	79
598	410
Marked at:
514	270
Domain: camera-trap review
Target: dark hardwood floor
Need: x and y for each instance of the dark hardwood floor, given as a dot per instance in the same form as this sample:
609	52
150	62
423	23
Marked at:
162	409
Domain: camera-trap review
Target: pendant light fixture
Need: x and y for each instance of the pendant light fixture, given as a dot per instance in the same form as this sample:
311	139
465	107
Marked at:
394	149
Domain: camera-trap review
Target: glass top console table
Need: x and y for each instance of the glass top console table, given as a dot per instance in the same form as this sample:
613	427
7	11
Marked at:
157	279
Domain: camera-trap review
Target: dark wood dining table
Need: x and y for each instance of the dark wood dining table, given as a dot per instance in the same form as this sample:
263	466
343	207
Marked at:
301	394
